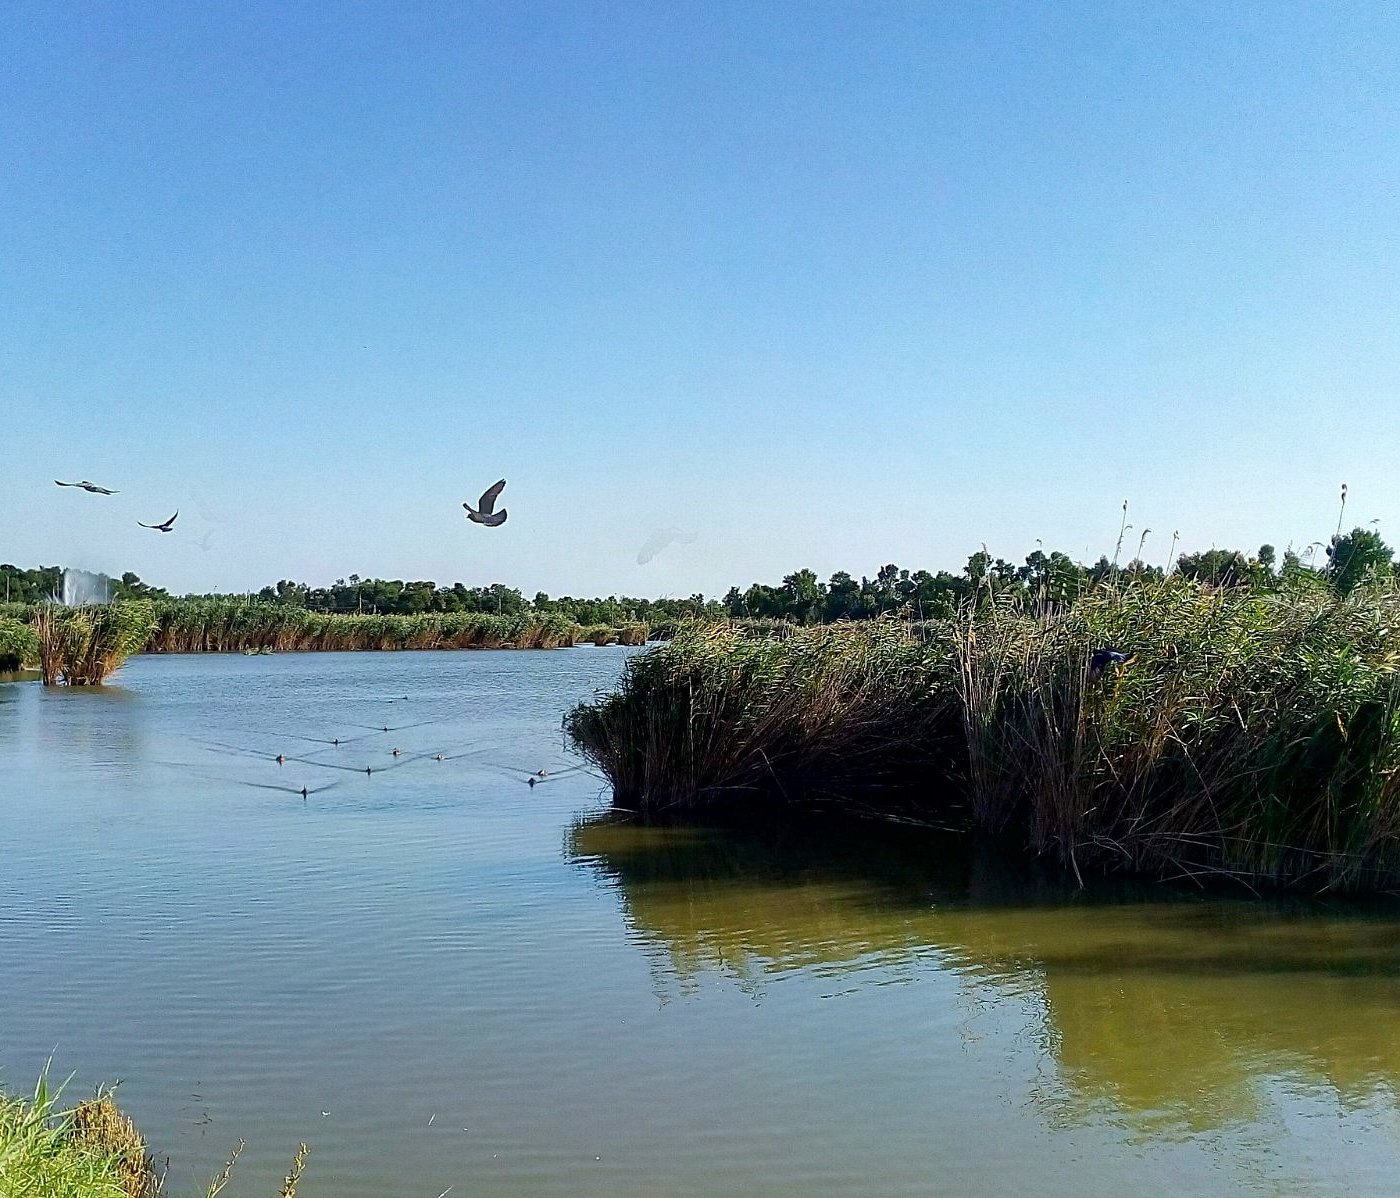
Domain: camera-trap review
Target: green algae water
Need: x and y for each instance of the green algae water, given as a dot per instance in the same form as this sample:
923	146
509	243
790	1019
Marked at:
440	976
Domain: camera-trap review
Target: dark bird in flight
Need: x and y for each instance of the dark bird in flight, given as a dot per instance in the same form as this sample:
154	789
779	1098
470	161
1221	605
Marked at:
485	511
166	527
1101	659
87	486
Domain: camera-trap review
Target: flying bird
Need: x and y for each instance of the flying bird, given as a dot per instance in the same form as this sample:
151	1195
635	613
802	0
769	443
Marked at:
166	527
1101	659
87	486
485	511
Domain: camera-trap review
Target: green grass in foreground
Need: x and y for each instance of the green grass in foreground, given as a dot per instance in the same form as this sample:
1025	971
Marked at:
89	1151
1253	735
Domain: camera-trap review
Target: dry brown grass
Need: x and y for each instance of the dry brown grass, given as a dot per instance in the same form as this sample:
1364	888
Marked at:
100	1127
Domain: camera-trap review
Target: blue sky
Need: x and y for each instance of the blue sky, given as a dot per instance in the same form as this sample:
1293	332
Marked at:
825	285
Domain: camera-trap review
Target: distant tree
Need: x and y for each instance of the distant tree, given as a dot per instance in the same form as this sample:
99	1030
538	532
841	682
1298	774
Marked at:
977	568
802	597
1215	567
1354	556
842	600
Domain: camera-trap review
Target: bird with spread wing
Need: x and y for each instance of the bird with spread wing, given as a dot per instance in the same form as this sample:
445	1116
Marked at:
87	486
485	511
163	527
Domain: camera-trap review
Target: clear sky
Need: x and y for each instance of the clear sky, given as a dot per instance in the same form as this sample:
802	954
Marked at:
824	285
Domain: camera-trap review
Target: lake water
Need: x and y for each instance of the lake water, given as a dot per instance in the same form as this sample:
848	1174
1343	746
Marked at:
441	977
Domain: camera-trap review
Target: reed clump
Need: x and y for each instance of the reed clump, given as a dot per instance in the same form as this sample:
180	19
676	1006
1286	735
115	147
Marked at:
1250	735
19	645
1253	735
84	646
715	718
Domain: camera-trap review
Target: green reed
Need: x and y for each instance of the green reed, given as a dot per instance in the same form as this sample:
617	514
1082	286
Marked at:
19	645
1252	735
233	625
83	646
716	716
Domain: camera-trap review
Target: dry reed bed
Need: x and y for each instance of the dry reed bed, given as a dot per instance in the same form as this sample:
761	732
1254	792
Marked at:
1252	735
717	716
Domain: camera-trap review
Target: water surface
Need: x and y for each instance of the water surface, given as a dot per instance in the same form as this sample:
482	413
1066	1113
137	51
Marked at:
439	976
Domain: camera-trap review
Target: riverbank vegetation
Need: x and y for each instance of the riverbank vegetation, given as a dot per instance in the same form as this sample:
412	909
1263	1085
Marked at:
19	645
83	646
1251	731
92	1150
392	614
222	625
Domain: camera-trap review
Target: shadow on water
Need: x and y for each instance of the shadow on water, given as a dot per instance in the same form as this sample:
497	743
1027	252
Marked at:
1158	1006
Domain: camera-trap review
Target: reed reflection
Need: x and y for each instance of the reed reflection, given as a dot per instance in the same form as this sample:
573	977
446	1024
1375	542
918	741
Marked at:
1167	1007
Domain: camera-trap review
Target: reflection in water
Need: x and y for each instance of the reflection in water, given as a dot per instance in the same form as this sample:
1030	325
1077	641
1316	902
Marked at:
1167	1008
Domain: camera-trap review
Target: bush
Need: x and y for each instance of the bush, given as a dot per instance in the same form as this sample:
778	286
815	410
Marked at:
19	645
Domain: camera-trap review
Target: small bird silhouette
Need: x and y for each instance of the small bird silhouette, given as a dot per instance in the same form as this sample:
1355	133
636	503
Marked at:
87	486
165	527
1101	659
485	511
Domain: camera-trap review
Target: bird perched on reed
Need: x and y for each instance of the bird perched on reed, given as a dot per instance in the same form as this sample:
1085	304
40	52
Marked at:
485	511
166	526
1101	659
87	486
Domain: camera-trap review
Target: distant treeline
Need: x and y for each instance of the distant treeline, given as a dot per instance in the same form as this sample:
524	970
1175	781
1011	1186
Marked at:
37	586
801	597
